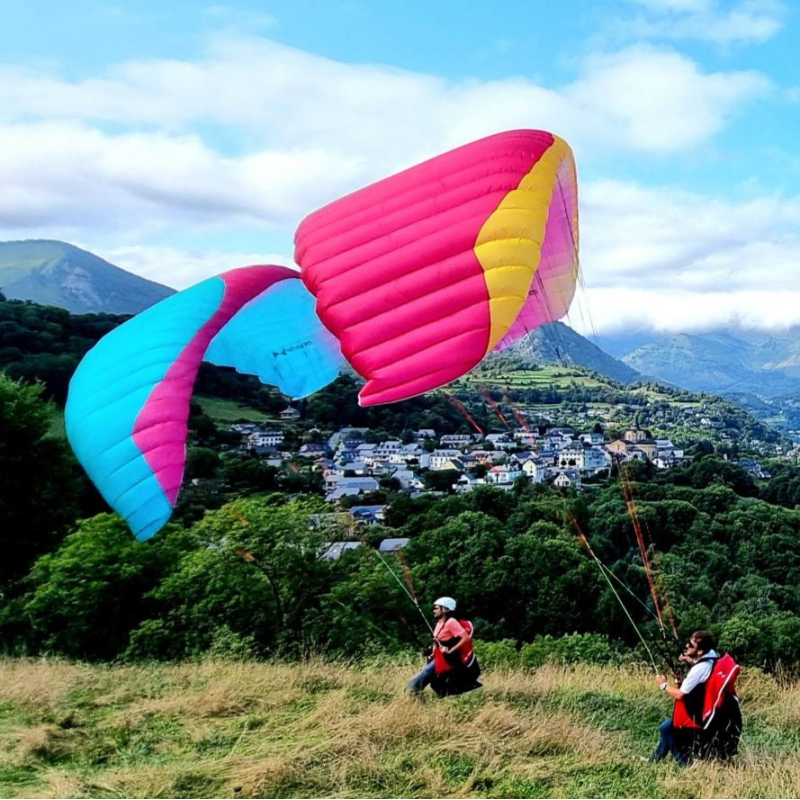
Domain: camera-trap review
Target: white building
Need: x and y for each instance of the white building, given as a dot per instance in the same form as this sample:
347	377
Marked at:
571	455
500	441
389	448
595	460
503	474
265	439
567	478
456	440
466	483
439	458
535	469
666	449
560	436
335	550
408	479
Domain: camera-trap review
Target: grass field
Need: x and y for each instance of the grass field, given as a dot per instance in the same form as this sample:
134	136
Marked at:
228	411
559	378
220	729
546	376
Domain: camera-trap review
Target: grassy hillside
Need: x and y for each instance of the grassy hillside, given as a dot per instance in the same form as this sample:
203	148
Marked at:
225	412
544	376
261	730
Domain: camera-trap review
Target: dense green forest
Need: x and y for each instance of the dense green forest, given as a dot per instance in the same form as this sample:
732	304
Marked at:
248	578
239	570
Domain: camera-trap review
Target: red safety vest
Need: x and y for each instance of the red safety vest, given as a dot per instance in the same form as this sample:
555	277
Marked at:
465	654
721	684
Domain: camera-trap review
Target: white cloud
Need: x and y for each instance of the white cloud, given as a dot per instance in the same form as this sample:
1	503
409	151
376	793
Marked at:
271	95
659	100
181	268
75	176
621	309
256	135
748	22
672	260
305	129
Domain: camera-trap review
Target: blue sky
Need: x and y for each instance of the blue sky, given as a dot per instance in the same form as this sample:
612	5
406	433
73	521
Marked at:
179	139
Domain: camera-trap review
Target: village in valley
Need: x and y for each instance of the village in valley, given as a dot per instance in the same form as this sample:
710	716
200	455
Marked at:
357	466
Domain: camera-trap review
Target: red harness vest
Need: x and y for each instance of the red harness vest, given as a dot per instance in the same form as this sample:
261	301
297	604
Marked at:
463	657
720	685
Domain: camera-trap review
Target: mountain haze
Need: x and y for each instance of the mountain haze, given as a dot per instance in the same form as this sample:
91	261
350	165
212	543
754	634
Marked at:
724	362
54	273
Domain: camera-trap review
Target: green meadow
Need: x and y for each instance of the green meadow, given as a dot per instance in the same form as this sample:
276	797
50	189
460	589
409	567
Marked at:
314	729
229	411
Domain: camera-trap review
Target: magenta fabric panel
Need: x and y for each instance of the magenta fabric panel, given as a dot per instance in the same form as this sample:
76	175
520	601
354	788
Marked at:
390	262
421	241
359	243
381	309
427	330
161	427
512	151
431	369
553	285
422	317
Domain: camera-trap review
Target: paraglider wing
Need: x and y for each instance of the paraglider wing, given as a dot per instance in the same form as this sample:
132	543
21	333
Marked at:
553	284
424	273
128	405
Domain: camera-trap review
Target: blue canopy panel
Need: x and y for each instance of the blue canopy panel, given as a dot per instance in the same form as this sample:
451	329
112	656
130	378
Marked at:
128	405
278	337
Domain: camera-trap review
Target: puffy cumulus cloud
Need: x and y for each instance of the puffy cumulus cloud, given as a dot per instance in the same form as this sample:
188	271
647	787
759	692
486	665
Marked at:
659	100
181	268
615	310
276	96
748	22
134	149
78	177
657	258
255	135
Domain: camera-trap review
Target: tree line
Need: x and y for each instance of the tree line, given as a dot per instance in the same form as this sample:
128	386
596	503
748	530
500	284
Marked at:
241	571
250	577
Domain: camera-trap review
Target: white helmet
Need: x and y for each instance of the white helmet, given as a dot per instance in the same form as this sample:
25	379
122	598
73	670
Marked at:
446	602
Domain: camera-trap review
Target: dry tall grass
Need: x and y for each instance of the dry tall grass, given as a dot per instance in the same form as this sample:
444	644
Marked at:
218	729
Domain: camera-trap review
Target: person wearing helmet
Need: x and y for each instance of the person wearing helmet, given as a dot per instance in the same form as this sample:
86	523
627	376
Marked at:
450	638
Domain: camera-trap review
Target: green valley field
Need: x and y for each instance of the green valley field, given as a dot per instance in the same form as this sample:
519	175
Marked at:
217	729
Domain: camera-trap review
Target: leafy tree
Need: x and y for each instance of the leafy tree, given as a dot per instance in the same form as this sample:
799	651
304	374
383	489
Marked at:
258	575
440	480
89	594
202	462
248	474
39	483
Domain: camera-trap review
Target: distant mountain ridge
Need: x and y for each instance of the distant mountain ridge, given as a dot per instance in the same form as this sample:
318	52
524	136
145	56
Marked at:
723	362
54	273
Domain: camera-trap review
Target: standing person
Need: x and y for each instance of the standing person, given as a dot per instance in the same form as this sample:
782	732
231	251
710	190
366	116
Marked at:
452	667
706	720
